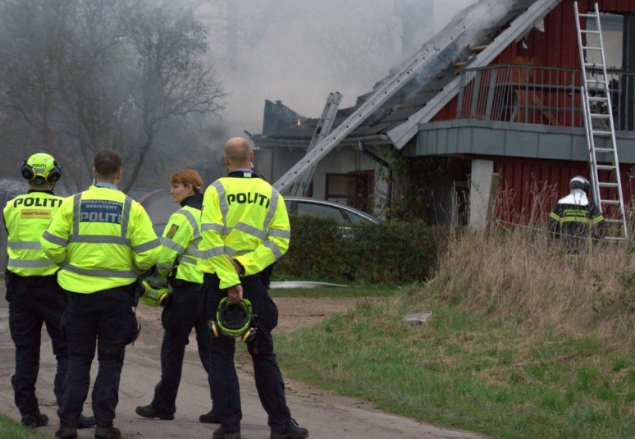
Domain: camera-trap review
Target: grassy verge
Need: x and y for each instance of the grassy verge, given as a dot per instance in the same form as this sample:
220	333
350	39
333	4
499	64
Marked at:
364	290
9	429
469	371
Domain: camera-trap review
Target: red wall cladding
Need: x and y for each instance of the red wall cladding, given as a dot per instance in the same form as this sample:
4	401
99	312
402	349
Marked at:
524	181
558	45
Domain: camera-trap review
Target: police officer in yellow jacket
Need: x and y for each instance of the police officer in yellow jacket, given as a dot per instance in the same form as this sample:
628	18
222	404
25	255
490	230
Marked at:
177	267
32	290
245	229
102	240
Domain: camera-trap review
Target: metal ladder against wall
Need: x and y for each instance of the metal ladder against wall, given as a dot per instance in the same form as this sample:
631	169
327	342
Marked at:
599	125
323	129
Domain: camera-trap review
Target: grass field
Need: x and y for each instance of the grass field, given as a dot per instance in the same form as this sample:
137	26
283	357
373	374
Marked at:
470	372
9	429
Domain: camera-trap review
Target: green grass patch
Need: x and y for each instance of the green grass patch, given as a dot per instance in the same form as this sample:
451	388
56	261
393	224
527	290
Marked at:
9	429
469	370
364	290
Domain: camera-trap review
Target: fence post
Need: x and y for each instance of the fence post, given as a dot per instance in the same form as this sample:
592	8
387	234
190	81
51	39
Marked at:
573	92
459	107
490	93
476	94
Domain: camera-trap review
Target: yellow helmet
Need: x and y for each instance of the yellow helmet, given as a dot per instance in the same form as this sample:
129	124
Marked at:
41	168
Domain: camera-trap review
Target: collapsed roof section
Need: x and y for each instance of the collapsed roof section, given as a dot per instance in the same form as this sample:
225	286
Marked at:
395	121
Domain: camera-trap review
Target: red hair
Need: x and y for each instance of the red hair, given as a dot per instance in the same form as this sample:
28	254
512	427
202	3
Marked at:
188	177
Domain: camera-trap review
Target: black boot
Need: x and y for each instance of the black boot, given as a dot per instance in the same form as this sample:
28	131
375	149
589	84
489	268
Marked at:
86	422
35	419
221	433
150	412
291	431
209	418
66	432
108	432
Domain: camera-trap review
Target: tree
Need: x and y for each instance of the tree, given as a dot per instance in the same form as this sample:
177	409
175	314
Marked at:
90	74
173	80
33	36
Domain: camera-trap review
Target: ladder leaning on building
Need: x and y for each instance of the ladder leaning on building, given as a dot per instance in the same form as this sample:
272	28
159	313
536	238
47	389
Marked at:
599	125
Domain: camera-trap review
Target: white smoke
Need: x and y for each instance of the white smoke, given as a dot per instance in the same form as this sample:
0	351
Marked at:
306	49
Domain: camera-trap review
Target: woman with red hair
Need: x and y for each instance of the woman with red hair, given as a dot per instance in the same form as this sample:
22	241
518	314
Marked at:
177	272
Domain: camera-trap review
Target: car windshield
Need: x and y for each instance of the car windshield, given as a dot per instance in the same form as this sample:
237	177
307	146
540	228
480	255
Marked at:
320	210
355	218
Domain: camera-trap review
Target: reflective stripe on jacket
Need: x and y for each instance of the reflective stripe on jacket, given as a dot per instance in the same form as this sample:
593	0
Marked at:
179	245
102	239
575	221
26	218
243	217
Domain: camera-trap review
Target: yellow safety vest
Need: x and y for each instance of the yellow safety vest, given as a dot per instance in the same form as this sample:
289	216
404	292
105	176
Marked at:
26	218
179	245
245	218
102	239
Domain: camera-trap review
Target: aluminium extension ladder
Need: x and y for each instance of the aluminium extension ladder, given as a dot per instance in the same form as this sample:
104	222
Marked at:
600	126
323	129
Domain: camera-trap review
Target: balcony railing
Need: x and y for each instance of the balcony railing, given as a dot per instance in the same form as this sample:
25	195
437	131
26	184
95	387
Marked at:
539	95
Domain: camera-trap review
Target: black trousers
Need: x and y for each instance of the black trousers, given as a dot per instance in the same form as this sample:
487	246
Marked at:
269	382
34	301
185	312
105	316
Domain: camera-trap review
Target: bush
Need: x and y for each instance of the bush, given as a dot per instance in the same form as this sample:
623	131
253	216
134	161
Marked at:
394	251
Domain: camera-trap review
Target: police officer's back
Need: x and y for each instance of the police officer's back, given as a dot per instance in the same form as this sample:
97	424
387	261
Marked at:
103	240
177	267
245	229
575	220
32	291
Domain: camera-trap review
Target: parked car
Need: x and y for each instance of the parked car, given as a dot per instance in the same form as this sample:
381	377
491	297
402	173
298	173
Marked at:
322	208
160	205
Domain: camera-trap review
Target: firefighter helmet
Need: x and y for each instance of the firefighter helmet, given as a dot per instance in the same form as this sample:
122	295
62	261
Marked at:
233	320
581	183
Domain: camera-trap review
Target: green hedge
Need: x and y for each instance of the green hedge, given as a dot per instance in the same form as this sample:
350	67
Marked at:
392	251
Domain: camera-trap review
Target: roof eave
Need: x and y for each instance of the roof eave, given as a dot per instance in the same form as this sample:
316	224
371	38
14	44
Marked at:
376	139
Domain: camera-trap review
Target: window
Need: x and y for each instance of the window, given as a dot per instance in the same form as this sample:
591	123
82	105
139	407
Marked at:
613	36
354	189
319	210
354	218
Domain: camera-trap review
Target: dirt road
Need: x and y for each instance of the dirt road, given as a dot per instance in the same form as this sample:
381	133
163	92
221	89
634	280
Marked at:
327	416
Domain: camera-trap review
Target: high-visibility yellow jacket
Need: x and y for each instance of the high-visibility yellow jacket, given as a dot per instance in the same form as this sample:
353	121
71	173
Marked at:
102	239
26	218
180	240
244	218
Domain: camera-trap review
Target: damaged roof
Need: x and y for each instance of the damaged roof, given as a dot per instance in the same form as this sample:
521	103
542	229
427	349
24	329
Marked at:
414	96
